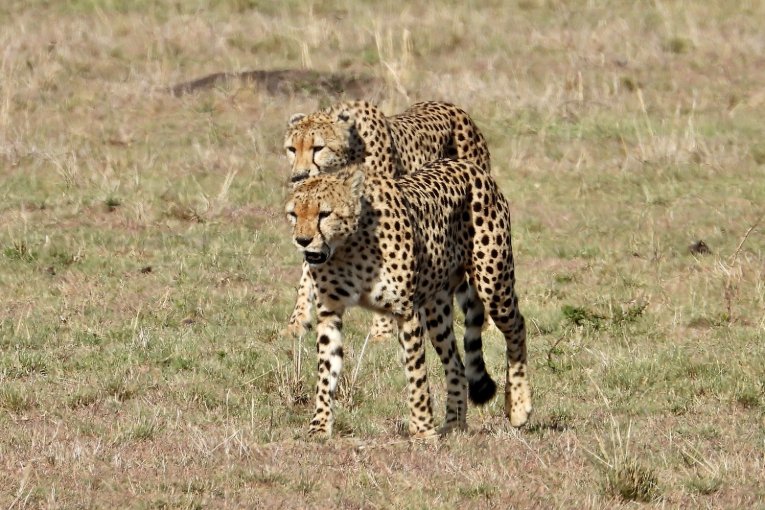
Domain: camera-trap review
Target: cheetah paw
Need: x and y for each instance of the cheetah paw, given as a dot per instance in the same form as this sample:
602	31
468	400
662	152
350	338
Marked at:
295	330
448	428
425	435
517	411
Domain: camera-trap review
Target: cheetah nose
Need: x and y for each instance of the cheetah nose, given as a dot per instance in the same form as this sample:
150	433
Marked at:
303	241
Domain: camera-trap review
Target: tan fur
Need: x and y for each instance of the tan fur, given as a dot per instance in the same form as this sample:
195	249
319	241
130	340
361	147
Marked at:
359	132
402	247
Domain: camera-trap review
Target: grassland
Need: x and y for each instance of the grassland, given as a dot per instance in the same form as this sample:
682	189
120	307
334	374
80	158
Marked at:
146	269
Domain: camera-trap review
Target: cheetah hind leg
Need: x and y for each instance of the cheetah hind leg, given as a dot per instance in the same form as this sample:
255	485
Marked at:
440	325
300	320
383	328
481	387
517	390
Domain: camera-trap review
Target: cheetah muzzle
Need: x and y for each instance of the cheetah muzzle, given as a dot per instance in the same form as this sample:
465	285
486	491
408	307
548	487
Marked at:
315	258
311	254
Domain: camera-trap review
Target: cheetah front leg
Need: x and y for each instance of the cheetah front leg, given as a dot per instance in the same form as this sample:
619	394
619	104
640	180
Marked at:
420	408
439	321
329	350
300	320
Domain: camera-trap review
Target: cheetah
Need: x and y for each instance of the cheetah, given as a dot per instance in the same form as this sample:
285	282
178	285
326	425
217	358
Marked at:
402	247
358	132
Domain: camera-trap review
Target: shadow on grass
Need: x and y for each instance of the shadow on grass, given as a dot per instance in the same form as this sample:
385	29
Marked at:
286	81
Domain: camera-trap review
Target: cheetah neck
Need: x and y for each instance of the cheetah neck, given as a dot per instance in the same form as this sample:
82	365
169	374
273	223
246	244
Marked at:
373	139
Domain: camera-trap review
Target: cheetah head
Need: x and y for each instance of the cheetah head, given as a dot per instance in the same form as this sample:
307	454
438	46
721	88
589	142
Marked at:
324	212
317	143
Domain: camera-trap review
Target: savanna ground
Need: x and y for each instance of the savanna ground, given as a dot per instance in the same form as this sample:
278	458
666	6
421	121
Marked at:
146	269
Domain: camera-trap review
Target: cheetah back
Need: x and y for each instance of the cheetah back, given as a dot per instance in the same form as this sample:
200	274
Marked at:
358	132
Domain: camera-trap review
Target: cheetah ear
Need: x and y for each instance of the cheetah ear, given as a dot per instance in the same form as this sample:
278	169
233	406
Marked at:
295	118
356	184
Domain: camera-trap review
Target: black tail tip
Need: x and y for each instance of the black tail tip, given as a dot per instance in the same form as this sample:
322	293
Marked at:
482	390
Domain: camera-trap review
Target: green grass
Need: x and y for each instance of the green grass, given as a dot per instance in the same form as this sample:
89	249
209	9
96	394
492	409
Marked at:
146	270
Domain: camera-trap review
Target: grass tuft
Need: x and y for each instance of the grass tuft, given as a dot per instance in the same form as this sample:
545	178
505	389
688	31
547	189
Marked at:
144	429
749	397
580	316
84	397
112	203
704	485
118	388
32	362
631	481
758	153
15	398
626	474
629	313
678	45
21	251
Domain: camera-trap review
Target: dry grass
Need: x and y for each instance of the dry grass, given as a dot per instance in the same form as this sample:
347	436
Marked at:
146	270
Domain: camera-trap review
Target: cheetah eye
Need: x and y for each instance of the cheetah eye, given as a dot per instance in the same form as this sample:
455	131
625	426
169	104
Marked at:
324	214
292	150
317	148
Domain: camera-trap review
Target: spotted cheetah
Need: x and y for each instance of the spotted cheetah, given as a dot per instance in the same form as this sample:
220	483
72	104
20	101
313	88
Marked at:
402	247
358	132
